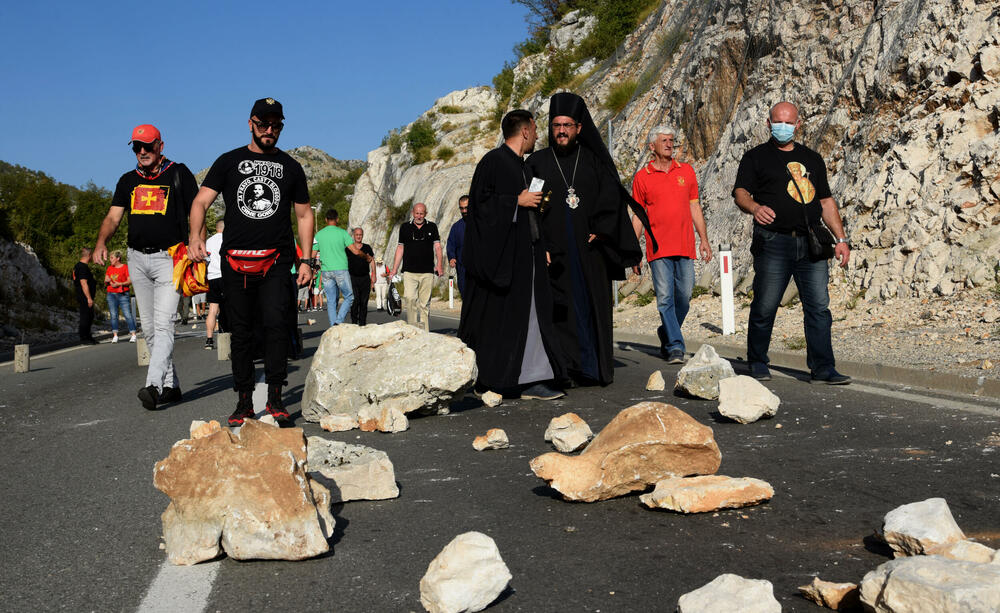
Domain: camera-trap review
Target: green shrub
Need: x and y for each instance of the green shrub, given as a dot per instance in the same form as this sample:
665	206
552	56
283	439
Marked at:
559	72
699	290
445	153
449	109
397	215
536	43
394	140
619	96
643	299
796	343
615	20
666	46
420	135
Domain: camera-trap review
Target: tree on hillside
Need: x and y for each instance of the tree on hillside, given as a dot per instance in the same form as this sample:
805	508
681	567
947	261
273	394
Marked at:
546	12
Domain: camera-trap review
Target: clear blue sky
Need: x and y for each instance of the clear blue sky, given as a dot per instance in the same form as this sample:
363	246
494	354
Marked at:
77	76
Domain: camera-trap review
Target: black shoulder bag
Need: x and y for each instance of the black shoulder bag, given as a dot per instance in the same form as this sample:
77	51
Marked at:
821	241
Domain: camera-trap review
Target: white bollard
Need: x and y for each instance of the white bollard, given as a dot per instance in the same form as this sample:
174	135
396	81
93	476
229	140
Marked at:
726	282
22	358
451	291
222	346
142	351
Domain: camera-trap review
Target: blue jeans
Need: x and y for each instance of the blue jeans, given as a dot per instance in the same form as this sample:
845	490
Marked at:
776	259
120	302
673	282
337	281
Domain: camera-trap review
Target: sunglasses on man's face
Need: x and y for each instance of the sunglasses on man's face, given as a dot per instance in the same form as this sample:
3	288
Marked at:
150	147
264	125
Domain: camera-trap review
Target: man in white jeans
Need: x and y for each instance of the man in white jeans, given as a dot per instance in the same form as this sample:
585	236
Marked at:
157	197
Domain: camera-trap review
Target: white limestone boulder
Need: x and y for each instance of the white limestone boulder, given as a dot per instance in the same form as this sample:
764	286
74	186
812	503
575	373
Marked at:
730	593
707	493
495	438
568	432
655	383
701	375
351	472
932	583
969	551
744	399
377	374
467	575
915	528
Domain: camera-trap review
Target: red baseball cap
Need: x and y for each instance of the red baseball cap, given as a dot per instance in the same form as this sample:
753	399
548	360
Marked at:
146	133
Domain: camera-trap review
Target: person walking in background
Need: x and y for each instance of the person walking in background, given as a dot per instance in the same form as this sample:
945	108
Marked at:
381	283
419	250
456	242
769	186
215	295
117	284
362	269
668	190
156	196
85	286
333	241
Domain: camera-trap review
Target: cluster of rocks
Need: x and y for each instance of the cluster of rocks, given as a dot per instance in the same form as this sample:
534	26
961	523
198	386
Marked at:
371	377
936	569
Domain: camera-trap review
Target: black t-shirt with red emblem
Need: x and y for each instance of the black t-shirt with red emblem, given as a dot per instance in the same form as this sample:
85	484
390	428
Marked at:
259	190
157	207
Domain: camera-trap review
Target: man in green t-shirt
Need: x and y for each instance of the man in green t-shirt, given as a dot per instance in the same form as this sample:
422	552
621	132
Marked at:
332	241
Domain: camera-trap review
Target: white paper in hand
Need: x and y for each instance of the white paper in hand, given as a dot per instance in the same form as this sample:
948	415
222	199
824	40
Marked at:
536	185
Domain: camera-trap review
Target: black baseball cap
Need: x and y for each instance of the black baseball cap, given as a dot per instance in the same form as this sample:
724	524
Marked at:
267	106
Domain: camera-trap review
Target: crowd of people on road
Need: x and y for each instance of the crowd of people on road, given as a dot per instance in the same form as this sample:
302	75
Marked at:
535	253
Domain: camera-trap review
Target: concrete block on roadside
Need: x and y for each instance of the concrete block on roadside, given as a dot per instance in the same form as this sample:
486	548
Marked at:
222	345
142	351
22	358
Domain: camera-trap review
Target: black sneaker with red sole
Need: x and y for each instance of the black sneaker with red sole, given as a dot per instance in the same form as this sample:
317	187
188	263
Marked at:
276	409
244	410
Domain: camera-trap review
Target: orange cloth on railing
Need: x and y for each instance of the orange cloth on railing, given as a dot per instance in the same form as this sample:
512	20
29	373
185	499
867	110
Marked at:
189	276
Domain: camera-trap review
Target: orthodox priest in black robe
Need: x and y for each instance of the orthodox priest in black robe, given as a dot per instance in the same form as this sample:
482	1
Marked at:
588	236
507	309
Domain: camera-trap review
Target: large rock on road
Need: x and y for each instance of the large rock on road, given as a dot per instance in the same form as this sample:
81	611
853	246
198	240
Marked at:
376	374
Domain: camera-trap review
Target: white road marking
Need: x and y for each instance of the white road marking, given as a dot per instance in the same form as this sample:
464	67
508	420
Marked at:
943	403
180	588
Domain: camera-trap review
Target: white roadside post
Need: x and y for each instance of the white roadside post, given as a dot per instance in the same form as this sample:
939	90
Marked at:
726	281
451	291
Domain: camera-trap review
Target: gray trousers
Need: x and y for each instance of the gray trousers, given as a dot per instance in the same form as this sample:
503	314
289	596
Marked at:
152	281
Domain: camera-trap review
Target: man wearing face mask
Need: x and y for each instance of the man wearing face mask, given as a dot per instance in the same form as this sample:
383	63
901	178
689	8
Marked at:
782	184
456	240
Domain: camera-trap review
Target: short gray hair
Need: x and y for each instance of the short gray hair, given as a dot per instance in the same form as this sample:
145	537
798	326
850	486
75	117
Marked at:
661	129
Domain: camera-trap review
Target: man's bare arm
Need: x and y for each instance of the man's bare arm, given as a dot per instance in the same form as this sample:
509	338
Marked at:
196	222
108	227
831	217
699	225
761	213
304	221
396	261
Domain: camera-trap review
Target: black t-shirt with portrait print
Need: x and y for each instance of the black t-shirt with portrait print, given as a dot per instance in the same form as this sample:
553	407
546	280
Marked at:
770	175
259	190
157	213
418	246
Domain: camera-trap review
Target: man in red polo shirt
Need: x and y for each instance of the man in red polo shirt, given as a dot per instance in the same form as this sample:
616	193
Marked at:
668	190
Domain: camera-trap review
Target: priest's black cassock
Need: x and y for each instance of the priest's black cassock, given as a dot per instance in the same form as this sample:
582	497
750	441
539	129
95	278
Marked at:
582	270
507	312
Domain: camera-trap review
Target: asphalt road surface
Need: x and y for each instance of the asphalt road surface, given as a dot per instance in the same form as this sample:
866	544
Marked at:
81	519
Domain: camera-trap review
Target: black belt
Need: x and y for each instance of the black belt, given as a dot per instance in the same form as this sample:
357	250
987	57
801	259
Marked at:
787	232
149	250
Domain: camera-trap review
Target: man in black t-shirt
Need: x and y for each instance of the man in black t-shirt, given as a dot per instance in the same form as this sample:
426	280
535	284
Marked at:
156	196
783	184
419	250
85	286
362	271
260	184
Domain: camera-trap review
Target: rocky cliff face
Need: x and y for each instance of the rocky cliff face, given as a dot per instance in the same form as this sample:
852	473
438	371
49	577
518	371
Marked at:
901	98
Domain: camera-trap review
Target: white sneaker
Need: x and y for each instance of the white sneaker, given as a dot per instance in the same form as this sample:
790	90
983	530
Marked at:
114	339
132	338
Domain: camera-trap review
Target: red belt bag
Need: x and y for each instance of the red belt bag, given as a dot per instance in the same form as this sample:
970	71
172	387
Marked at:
252	262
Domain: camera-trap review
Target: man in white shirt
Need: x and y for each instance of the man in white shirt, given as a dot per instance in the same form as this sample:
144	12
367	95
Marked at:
214	248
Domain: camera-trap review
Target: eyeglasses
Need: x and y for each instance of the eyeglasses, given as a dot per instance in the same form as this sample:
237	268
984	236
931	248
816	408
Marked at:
264	125
139	146
564	125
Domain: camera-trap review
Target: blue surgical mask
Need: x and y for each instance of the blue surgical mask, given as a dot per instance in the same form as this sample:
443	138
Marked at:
782	132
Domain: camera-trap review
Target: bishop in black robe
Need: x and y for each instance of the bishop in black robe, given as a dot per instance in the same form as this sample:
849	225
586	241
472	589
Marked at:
507	309
589	239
